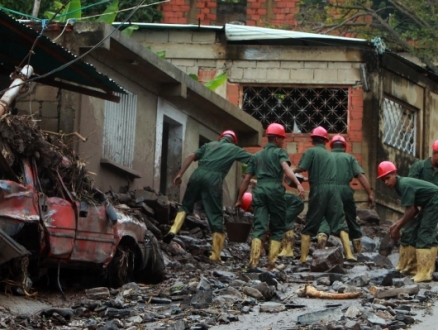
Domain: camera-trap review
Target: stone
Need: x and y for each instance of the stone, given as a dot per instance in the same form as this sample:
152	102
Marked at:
203	284
135	319
368	217
267	291
388	280
368	244
223	318
352	312
224	276
322	316
225	300
97	293
233	291
352	325
237	283
272	307
117	313
269	278
374	319
323	260
380	260
389	293
202	299
324	281
386	245
252	292
66	313
245	309
359	281
338	286
158	300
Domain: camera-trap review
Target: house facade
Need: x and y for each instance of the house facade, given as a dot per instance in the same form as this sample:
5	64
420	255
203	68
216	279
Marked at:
162	115
381	103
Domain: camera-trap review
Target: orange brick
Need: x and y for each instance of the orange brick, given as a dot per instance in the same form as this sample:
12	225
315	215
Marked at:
212	4
356	114
355	125
261	11
355	136
250	22
200	4
357	100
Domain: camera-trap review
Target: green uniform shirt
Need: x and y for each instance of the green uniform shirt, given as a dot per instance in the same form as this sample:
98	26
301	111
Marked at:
320	164
424	170
266	164
347	166
218	156
415	192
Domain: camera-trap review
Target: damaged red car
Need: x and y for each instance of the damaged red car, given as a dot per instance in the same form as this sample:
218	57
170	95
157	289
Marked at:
38	232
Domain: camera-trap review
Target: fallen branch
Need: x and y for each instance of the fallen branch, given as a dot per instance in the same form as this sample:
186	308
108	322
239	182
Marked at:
311	292
79	136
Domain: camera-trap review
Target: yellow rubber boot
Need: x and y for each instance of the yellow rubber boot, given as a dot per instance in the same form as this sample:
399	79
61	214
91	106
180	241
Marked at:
411	261
424	257
217	244
305	245
254	259
402	258
177	224
288	244
343	235
433	260
357	245
274	250
322	240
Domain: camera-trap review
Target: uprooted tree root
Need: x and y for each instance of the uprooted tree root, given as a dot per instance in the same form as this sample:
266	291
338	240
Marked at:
311	292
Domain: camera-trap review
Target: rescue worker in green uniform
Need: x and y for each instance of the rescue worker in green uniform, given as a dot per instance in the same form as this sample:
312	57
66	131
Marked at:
215	160
324	198
347	168
427	170
415	193
269	166
294	206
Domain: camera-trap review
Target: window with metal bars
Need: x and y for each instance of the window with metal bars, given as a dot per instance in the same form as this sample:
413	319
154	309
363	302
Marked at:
300	110
399	126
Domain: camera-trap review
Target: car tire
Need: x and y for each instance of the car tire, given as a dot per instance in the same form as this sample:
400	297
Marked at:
120	268
154	272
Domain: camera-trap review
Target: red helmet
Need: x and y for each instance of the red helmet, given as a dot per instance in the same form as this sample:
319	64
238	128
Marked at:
435	146
385	168
229	133
338	138
246	201
276	129
320	132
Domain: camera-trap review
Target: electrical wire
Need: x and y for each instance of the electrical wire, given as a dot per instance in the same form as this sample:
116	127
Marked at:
84	54
126	9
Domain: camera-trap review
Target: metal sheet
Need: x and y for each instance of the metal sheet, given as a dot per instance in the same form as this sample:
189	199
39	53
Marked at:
119	130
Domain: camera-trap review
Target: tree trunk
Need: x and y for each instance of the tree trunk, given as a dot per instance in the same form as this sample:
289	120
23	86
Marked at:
36	8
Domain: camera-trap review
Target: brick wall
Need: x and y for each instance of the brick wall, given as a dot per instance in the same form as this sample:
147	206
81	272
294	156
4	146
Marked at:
272	13
297	144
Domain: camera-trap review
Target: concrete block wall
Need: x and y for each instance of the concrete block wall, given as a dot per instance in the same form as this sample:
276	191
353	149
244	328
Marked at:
43	103
273	13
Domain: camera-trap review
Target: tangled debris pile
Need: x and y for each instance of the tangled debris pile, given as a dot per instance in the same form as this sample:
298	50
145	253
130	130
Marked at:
199	294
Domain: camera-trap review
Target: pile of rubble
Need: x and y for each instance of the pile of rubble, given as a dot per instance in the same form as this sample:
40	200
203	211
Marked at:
327	293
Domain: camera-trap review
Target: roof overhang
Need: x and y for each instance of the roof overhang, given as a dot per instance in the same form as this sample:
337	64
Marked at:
164	79
17	41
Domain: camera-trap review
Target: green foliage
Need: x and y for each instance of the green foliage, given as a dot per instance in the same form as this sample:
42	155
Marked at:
193	76
110	13
409	25
128	31
49	7
216	81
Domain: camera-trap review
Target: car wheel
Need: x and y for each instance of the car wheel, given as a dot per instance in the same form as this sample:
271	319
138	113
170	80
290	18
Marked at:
121	267
154	272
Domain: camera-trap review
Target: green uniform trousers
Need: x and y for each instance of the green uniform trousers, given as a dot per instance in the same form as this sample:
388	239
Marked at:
206	185
347	196
421	231
269	209
294	206
325	201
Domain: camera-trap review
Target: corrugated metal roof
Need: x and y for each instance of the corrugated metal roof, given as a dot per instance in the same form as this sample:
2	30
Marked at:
243	32
172	26
17	40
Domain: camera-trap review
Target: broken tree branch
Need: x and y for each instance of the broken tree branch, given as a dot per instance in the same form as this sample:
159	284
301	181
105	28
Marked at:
83	139
311	292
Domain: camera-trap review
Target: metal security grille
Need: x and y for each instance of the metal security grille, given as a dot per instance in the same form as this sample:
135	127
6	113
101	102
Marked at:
119	130
400	126
300	110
